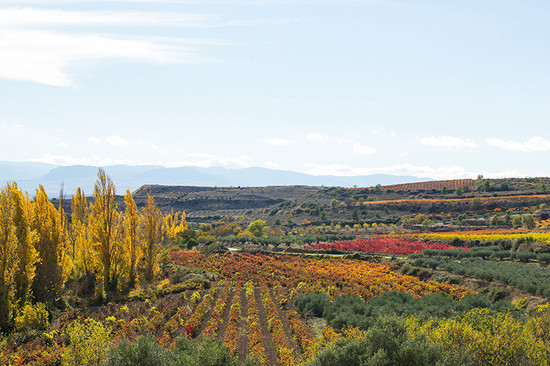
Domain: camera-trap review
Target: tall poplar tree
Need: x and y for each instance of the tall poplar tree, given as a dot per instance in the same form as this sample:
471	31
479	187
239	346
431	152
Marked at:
153	236
8	260
105	225
82	251
22	216
49	226
131	226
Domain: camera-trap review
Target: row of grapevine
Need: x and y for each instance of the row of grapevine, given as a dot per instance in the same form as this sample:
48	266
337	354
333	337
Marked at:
256	347
217	314
436	184
301	333
231	333
193	324
280	340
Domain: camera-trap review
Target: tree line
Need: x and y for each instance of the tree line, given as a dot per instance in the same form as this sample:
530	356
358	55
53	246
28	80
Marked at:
100	247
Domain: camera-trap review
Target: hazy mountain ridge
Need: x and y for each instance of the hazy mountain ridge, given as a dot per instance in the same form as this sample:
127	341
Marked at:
29	175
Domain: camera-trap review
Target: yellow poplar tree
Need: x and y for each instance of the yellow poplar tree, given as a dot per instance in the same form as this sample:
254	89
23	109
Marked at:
153	236
8	260
175	224
26	239
49	225
131	225
105	233
82	250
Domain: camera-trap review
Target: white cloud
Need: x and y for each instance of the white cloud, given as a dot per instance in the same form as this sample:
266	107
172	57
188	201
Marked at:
45	57
318	136
363	149
31	51
271	165
93	160
117	141
278	141
450	142
445	172
206	160
28	16
535	143
94	140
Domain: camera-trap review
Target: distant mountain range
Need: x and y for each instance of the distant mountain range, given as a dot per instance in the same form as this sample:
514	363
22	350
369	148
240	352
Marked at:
29	175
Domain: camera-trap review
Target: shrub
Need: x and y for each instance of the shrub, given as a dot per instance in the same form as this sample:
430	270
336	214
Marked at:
32	317
203	352
544	258
143	352
88	343
525	256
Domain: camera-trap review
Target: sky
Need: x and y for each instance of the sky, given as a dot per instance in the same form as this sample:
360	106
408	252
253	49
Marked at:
433	88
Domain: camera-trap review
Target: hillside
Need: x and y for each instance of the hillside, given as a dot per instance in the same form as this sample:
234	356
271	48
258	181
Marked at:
319	205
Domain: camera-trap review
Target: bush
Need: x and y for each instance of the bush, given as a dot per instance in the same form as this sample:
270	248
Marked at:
143	352
544	258
203	352
88	343
32	317
189	352
386	343
525	256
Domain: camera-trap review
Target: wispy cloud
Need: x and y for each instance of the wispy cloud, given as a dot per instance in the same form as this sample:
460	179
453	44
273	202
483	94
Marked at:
93	160
450	142
317	136
206	160
42	45
444	172
363	149
117	141
45	57
535	143
275	141
31	17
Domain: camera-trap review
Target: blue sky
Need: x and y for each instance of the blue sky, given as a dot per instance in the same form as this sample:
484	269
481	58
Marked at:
439	89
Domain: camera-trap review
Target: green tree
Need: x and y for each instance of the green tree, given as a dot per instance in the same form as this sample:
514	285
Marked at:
258	227
334	203
476	203
508	216
528	221
461	218
516	221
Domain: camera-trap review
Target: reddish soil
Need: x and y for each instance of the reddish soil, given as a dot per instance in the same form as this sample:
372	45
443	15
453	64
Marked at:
225	316
286	328
242	344
270	351
208	314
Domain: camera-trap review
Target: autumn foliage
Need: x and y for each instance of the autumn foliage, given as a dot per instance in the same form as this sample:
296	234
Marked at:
382	245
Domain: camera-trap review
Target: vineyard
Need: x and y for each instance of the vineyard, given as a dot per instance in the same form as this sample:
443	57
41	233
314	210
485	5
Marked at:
333	276
382	245
522	198
248	304
452	184
488	236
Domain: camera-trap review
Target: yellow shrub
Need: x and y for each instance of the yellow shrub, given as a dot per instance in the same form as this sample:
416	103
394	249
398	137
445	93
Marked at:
32	317
490	338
